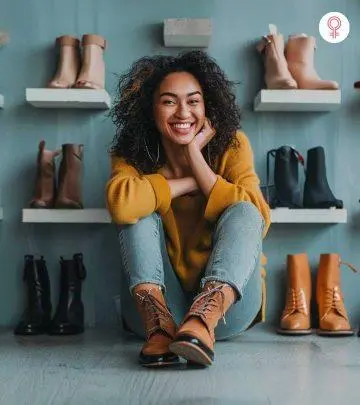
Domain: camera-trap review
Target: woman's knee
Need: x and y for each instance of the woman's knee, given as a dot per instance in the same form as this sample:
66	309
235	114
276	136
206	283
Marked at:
243	212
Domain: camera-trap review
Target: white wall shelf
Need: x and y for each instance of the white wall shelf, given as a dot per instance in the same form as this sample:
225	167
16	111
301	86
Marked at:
68	98
187	32
2	101
297	100
1	214
307	216
88	215
101	215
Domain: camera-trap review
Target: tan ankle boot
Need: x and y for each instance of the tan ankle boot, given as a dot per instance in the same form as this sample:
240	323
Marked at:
160	327
68	64
295	319
45	184
92	74
333	319
70	177
195	339
277	75
299	52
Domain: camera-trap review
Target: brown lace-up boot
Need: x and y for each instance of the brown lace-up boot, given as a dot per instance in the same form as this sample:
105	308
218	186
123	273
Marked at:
160	327
333	319
70	176
295	319
45	186
195	338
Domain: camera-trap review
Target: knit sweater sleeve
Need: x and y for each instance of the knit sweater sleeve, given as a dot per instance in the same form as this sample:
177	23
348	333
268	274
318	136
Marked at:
237	182
131	196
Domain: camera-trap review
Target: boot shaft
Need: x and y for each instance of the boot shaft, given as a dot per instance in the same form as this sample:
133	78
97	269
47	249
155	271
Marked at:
38	284
315	165
300	49
328	272
45	183
70	176
72	273
299	273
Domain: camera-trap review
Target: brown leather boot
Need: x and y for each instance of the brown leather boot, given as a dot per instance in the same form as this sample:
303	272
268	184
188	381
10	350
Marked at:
333	319
295	319
68	64
45	184
195	338
92	74
277	75
300	51
70	176
160	327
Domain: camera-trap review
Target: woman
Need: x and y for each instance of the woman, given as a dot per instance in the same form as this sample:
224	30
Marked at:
191	215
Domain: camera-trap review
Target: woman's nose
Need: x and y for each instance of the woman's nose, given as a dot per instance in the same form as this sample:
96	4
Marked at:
183	111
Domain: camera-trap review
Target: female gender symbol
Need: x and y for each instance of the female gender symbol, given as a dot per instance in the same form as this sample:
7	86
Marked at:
334	27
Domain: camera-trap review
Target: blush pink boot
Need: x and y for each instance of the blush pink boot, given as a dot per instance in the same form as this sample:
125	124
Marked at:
299	52
69	63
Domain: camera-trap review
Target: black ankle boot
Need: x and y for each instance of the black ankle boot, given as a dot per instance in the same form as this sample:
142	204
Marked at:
69	316
37	315
286	177
317	193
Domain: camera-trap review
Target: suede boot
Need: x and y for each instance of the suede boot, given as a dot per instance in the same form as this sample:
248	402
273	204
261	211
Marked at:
68	64
70	177
333	319
317	193
69	316
45	183
195	338
37	315
92	74
295	319
277	75
300	59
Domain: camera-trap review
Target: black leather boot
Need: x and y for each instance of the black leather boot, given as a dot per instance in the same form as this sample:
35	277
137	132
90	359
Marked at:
69	316
317	193
286	177
36	318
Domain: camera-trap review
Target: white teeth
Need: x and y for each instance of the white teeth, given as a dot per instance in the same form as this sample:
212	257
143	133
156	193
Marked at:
186	125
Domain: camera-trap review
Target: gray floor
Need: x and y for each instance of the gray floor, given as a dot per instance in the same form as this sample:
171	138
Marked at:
100	368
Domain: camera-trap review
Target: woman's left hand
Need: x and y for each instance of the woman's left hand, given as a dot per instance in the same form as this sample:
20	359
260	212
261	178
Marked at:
204	136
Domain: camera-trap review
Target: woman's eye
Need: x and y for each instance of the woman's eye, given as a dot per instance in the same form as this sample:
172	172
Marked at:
168	102
194	101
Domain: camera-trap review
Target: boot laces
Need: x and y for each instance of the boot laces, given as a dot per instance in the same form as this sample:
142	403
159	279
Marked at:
207	301
295	302
157	315
334	298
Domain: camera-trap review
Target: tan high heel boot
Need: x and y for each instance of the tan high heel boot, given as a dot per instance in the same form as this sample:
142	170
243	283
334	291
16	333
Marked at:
45	184
68	64
195	338
333	319
160	327
277	75
299	53
295	319
92	74
70	177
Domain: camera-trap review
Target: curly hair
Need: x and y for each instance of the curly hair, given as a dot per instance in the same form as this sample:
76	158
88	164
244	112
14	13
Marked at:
132	112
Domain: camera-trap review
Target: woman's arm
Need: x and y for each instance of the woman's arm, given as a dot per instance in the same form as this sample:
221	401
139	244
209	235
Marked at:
182	186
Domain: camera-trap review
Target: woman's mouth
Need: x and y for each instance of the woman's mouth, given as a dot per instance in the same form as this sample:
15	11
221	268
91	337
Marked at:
183	128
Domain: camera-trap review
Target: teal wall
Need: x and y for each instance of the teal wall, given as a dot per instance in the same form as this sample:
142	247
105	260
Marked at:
133	29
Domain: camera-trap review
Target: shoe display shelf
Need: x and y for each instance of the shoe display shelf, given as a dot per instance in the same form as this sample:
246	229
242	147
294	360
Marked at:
101	215
87	215
1	214
308	216
2	101
68	98
297	100
187	32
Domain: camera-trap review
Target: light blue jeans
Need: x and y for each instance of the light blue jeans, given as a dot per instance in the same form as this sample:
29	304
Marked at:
235	259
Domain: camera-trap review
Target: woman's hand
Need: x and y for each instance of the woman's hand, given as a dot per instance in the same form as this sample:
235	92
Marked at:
204	136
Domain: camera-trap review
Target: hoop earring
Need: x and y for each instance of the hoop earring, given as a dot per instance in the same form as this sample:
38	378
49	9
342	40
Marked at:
158	152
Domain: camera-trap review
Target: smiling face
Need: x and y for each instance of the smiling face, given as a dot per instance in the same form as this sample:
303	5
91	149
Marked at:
179	108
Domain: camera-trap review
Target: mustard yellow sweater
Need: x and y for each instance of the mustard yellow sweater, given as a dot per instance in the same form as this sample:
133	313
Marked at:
188	220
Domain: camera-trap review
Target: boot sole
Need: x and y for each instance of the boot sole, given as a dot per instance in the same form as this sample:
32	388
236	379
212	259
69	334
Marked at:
294	332
191	352
331	333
